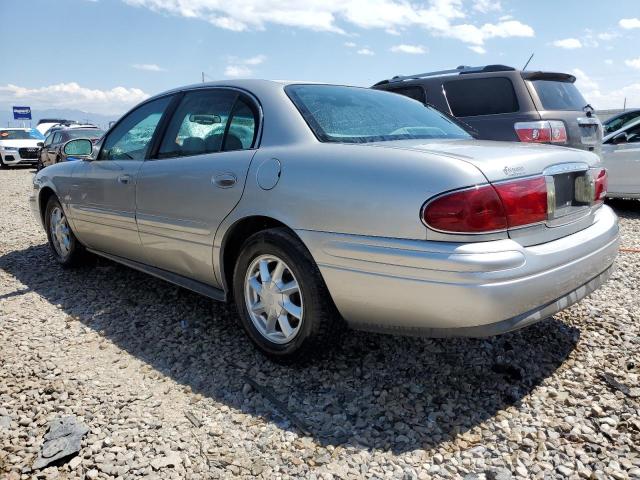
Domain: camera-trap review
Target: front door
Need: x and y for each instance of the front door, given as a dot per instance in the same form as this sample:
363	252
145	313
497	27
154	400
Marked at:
622	161
104	191
196	180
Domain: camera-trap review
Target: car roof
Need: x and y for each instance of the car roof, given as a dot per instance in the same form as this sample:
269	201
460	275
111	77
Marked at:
618	115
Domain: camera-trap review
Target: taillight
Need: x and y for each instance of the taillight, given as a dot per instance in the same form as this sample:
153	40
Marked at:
543	131
476	210
601	185
489	208
525	201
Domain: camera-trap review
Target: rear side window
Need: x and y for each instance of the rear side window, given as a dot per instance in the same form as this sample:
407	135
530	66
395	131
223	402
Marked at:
555	95
481	96
417	93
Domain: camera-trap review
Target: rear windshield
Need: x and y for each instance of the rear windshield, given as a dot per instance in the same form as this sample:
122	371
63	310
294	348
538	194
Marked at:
21	135
84	133
360	115
481	96
556	95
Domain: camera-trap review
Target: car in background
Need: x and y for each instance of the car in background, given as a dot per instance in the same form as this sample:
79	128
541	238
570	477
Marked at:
44	124
19	146
617	122
52	151
309	205
498	102
621	157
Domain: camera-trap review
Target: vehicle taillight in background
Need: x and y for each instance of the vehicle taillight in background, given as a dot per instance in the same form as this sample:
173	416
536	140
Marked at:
489	208
543	131
601	185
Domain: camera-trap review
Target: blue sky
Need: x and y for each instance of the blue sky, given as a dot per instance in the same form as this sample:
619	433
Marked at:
104	56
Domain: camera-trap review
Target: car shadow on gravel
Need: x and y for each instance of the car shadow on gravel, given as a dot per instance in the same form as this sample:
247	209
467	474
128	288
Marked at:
625	208
391	393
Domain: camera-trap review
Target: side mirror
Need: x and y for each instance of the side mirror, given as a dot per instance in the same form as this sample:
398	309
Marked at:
41	144
79	148
620	138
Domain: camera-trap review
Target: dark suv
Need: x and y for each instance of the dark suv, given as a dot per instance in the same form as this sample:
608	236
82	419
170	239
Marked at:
52	152
501	103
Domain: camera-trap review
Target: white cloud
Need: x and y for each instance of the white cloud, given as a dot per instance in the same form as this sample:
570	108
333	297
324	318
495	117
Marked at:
365	51
485	6
568	43
608	61
237	71
149	67
633	63
239	67
350	44
629	23
478	49
600	99
606	36
412	49
440	17
72	95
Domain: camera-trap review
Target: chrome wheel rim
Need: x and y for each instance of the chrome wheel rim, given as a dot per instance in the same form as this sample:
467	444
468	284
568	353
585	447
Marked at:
60	232
273	298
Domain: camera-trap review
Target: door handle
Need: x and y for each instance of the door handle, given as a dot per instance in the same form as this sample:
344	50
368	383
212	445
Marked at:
225	180
124	179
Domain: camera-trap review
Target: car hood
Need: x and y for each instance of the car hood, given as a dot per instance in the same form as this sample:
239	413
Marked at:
497	160
26	143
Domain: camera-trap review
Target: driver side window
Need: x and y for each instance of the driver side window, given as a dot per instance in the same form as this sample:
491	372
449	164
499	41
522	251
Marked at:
48	140
131	138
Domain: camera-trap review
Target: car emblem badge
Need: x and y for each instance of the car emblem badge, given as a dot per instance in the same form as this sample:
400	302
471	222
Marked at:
513	171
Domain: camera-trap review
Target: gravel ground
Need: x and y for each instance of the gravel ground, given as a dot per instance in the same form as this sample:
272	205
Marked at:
170	387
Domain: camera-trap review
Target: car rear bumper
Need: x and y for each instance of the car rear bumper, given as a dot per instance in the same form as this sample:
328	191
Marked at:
453	289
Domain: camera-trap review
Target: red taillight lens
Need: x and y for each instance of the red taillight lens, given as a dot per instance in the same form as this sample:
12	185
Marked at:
601	185
525	201
547	131
475	210
489	207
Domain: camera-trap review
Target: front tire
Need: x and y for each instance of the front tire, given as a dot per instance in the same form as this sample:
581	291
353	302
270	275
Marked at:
64	245
282	300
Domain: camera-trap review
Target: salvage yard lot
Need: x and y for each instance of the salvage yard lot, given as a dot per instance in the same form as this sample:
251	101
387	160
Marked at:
170	387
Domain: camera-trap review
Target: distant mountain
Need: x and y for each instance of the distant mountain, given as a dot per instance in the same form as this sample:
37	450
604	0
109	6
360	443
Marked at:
6	116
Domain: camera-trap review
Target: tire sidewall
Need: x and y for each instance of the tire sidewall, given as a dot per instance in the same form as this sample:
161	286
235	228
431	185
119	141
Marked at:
301	265
69	259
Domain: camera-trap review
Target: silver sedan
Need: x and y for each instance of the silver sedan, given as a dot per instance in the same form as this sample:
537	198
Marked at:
314	207
621	157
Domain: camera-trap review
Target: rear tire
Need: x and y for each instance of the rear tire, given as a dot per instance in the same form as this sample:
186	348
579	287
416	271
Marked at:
2	164
281	298
64	245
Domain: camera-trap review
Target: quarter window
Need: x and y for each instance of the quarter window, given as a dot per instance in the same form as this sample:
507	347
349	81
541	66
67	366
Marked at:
198	124
130	139
242	128
481	96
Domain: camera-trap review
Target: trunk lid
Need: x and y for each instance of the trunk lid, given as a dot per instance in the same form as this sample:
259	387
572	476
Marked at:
566	171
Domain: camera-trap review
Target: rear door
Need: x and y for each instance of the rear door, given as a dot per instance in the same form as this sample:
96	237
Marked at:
490	105
195	180
622	161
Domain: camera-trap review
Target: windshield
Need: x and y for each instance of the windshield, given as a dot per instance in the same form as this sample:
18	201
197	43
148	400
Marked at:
620	121
556	95
359	115
20	135
85	133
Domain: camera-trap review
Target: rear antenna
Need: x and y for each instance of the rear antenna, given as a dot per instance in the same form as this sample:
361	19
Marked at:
525	65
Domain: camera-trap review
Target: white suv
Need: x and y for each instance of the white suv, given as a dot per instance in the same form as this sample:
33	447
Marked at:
19	146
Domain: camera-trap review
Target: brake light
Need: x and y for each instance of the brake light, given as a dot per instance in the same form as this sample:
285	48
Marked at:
525	201
489	208
476	210
544	131
601	185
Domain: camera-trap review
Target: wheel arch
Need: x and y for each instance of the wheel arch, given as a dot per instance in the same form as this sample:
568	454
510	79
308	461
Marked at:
43	198
234	238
